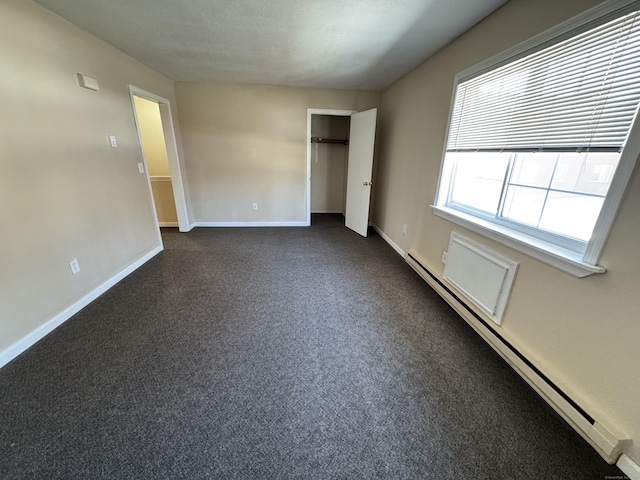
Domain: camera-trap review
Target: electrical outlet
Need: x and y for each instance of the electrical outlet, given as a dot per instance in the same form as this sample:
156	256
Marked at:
141	167
444	257
112	141
255	206
404	228
74	266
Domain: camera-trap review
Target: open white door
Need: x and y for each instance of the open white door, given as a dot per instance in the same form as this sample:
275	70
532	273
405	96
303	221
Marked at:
361	139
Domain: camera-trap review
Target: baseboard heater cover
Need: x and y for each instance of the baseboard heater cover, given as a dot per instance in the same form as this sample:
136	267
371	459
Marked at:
480	274
609	441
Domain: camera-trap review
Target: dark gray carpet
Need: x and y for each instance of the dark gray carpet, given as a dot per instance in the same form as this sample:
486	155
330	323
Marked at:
307	353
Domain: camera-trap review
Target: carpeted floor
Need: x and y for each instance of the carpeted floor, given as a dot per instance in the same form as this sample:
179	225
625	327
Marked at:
276	353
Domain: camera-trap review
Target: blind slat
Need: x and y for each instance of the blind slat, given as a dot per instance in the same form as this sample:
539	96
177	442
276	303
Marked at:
580	93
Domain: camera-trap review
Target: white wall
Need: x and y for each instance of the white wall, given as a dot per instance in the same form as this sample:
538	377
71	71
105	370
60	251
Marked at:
584	334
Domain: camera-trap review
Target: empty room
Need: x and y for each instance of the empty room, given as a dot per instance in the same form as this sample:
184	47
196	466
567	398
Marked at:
315	240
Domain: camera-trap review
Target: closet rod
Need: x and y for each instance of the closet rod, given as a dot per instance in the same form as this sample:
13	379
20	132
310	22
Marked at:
329	140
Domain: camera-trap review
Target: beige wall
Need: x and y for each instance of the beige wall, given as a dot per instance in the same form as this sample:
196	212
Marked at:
155	154
64	192
155	149
582	333
246	144
329	163
164	201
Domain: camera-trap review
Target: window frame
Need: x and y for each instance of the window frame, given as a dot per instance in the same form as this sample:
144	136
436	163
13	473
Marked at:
543	247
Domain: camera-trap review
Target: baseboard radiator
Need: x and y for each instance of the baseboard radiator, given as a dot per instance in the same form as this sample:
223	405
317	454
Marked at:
608	440
480	274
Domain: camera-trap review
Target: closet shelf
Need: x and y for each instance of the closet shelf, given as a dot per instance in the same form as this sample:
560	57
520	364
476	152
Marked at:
329	140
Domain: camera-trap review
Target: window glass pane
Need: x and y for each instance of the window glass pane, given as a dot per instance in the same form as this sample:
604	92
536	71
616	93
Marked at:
585	172
477	179
524	205
571	214
534	169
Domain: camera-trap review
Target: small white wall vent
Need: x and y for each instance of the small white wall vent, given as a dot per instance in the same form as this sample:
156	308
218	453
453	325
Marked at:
480	274
87	82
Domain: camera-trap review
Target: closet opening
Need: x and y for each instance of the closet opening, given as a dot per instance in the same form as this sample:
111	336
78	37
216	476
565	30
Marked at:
340	146
329	163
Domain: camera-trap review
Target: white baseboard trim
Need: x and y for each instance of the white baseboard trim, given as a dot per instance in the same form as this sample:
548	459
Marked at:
250	224
168	224
387	239
328	211
31	338
628	467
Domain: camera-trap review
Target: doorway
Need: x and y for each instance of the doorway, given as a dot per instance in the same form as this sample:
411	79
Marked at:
329	163
159	150
340	147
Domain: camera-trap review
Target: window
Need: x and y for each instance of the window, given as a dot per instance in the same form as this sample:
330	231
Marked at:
538	151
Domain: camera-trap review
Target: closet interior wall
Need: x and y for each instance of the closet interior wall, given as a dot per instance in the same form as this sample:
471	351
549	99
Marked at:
329	162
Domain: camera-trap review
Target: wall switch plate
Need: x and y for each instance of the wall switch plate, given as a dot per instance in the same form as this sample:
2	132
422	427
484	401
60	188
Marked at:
141	167
444	257
112	141
74	266
255	206
404	228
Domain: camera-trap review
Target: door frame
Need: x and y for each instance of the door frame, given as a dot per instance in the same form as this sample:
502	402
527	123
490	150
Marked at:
171	144
310	113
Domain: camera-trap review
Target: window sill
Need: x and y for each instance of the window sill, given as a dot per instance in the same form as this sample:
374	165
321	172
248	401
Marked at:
563	259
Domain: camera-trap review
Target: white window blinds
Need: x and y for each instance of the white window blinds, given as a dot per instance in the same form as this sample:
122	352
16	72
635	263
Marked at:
580	94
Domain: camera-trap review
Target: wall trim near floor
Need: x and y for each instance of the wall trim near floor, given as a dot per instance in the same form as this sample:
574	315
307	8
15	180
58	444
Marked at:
607	439
249	224
630	468
168	224
387	239
31	338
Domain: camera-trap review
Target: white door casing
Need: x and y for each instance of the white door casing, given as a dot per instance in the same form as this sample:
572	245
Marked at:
361	143
172	155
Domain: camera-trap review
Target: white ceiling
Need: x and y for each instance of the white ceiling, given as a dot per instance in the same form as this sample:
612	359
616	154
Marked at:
350	44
